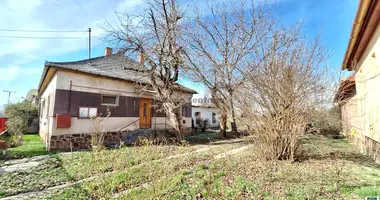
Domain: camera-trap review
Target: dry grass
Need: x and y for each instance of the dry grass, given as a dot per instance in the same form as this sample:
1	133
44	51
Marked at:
329	169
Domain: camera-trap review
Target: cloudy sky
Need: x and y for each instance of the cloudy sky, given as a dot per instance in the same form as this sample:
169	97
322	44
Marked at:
22	58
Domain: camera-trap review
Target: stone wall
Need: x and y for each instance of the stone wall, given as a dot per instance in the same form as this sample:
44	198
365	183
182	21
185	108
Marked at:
76	142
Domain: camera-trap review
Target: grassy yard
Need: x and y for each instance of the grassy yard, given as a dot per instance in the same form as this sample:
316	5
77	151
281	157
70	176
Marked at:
328	169
32	146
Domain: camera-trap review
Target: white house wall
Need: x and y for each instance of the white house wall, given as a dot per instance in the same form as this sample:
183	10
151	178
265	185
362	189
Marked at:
206	113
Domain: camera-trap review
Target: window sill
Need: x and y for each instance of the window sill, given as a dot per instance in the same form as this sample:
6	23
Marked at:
109	104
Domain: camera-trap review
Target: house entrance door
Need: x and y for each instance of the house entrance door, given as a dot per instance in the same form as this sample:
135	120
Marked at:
145	113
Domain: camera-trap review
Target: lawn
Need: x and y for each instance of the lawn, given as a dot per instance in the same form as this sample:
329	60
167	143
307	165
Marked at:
328	169
32	146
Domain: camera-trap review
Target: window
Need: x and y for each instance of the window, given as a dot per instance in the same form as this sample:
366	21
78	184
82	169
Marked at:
42	108
184	110
213	118
111	100
86	112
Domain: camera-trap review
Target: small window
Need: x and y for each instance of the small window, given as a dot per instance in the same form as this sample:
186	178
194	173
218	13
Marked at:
184	111
42	108
213	118
110	100
86	112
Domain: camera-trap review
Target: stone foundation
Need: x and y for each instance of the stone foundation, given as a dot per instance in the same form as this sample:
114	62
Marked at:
75	142
367	146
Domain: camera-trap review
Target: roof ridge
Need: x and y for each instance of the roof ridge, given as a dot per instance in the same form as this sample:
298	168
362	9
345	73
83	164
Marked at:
91	59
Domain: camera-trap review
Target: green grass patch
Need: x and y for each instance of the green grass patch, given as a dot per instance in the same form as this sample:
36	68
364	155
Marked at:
49	173
203	136
32	146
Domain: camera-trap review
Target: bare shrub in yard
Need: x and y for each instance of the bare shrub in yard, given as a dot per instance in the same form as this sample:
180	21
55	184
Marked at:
326	121
203	124
283	92
99	129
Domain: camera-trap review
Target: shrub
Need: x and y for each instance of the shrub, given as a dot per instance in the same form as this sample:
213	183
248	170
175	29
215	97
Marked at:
99	129
19	115
203	124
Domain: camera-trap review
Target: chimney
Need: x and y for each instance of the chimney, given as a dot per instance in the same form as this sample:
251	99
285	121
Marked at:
141	58
108	51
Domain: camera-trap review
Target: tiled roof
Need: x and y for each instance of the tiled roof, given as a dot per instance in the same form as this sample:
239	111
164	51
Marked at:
346	90
116	66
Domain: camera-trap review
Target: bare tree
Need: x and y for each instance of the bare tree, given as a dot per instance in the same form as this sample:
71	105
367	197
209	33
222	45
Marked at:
222	48
153	36
279	99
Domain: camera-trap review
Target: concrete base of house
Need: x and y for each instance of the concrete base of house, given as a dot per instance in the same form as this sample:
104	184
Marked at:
367	146
76	142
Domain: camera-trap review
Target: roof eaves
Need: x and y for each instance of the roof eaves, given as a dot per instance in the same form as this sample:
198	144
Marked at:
363	17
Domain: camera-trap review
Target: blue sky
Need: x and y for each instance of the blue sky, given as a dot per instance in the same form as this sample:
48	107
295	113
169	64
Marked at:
22	60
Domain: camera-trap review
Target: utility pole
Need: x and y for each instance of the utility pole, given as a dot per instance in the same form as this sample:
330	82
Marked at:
9	95
89	43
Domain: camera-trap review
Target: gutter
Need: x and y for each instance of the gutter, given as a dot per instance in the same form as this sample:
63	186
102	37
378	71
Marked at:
47	67
356	32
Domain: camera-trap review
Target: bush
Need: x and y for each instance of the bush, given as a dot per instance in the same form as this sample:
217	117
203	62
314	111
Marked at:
203	124
19	115
99	129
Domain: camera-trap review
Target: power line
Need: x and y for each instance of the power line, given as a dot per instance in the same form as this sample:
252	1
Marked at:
25	37
42	31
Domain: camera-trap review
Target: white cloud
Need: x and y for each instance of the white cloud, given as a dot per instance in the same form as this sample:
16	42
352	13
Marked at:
55	15
22	60
14	72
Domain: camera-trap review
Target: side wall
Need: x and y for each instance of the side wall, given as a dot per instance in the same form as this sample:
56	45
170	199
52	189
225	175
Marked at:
364	111
46	109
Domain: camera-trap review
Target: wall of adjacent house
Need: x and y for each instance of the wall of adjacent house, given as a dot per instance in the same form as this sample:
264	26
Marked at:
363	112
206	113
75	89
46	109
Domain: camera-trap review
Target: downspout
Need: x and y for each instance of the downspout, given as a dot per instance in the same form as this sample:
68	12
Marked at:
356	29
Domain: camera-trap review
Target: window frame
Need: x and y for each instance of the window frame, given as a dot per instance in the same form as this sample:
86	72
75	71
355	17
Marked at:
88	112
110	104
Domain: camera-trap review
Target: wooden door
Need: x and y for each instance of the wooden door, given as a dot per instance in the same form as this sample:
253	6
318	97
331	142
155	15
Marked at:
145	113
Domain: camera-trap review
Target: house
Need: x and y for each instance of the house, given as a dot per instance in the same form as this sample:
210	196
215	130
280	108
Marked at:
359	95
202	112
71	93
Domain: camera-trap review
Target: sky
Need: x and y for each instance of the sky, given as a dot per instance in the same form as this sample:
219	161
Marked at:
22	59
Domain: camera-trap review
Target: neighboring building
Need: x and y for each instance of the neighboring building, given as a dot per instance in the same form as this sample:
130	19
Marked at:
72	92
359	95
200	112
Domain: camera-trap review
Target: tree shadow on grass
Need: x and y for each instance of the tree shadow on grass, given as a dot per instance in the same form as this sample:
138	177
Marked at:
213	138
333	148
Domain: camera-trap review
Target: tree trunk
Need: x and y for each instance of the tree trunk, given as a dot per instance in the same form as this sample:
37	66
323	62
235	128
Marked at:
223	123
233	123
180	136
